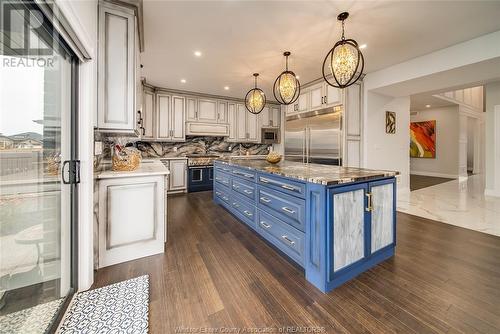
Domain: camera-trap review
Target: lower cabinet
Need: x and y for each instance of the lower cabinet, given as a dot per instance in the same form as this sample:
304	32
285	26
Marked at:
178	175
132	218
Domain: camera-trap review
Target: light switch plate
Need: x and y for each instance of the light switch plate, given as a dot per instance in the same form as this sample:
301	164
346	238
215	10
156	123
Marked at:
97	147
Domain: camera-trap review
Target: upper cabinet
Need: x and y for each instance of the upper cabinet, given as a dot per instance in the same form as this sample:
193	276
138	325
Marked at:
118	85
244	126
315	97
148	115
170	117
270	116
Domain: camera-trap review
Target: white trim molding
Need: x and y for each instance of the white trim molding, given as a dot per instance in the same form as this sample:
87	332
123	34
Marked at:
424	173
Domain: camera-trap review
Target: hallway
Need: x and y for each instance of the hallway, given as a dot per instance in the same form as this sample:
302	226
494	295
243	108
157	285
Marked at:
459	203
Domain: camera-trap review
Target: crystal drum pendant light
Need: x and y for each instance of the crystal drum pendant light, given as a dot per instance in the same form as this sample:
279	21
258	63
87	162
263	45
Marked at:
344	62
286	87
255	100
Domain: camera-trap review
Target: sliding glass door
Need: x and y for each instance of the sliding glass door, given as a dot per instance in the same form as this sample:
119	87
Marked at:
37	135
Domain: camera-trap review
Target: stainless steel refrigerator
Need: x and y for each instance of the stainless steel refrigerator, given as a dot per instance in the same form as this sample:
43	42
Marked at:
315	137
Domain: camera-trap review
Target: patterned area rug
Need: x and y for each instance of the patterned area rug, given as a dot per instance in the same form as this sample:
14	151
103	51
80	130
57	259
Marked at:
32	320
118	308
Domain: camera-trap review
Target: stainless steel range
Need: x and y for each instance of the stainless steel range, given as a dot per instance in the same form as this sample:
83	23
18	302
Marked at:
200	172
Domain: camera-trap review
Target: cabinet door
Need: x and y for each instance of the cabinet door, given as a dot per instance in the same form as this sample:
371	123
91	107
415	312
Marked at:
148	115
332	95
265	117
222	115
191	108
178	175
382	214
116	69
207	110
302	102
291	108
275	115
348	204
178	119
232	120
128	232
316	94
163	118
241	119
252	127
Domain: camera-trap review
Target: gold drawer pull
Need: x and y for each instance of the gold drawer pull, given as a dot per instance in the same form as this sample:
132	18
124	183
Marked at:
370	204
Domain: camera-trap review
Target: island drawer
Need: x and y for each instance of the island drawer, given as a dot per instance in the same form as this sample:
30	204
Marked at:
244	210
222	193
283	184
245	174
223	167
288	208
222	178
286	238
244	188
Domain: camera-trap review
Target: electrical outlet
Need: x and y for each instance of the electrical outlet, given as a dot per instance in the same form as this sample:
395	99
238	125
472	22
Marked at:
97	147
175	148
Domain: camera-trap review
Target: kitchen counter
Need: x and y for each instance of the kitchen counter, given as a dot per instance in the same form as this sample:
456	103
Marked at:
146	168
313	173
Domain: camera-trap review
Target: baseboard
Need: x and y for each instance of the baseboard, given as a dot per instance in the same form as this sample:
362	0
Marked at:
449	176
492	192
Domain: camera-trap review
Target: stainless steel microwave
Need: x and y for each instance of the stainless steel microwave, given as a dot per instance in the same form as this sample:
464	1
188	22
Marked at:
270	136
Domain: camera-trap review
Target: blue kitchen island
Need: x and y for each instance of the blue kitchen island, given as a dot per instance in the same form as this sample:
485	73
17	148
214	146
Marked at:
335	222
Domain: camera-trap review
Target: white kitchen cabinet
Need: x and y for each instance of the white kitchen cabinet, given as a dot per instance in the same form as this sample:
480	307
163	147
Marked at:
232	120
270	116
222	112
170	117
316	96
333	96
191	109
178	175
207	110
117	72
132	218
148	115
303	102
253	129
241	121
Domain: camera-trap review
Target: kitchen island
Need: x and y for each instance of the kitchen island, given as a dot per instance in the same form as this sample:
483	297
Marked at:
335	222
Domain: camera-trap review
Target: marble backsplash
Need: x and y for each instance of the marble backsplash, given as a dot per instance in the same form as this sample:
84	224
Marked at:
192	145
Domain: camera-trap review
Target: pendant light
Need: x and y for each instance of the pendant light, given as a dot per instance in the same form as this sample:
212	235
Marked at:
255	100
344	62
286	87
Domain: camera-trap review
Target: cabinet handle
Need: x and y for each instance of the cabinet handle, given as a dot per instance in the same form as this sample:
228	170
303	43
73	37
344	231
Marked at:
247	191
217	193
322	100
264	225
326	99
290	211
263	180
264	199
287	239
248	213
143	131
236	187
370	206
236	205
225	198
286	186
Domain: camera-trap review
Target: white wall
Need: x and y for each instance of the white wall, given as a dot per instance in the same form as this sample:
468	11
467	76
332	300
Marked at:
446	162
492	167
82	16
383	150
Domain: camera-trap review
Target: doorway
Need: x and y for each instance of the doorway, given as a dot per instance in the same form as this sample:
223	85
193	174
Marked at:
38	196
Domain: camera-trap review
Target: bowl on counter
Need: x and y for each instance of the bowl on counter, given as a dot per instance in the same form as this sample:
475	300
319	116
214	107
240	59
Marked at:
273	157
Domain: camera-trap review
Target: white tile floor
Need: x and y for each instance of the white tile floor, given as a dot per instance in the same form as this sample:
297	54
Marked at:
460	203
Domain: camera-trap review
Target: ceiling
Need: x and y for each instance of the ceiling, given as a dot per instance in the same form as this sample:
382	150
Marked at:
238	38
421	101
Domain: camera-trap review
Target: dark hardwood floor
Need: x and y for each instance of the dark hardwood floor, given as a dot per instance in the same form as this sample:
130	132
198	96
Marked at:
422	181
217	273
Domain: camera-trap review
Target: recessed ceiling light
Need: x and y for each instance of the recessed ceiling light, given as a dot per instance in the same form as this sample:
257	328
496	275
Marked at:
197	53
427	105
363	46
183	80
226	87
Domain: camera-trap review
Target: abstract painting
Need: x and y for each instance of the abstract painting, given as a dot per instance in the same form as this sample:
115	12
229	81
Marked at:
390	122
423	139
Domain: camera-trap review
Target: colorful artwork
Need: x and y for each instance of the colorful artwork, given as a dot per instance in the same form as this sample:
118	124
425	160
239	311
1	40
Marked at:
390	122
423	139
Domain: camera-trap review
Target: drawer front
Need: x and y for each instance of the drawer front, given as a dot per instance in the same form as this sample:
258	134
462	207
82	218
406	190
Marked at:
281	235
289	209
222	194
244	174
282	184
244	210
244	188
222	178
223	167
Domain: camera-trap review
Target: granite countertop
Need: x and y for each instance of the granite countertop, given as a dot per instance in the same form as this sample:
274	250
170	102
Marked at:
314	173
146	168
